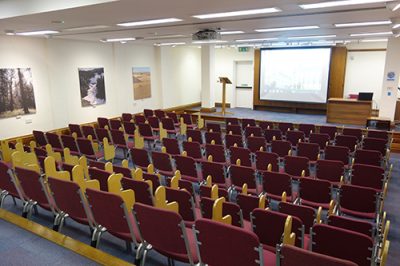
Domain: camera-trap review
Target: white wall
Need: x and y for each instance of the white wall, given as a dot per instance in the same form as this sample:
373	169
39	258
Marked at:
181	75
225	60
364	73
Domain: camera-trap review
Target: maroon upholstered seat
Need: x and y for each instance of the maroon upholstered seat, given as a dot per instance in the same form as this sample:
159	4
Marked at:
75	128
274	184
103	133
126	117
315	193
115	124
330	130
308	150
100	175
263	159
216	170
231	121
368	176
234	129
231	140
295	136
307	129
304	213
247	204
193	149
169	125
214	127
139	119
246	122
364	207
148	112
195	135
160	113
8	184
86	148
187	119
185	202
243	154
370	157
256	131
162	162
351	224
346	141
266	125
255	143
217	152
143	193
322	139
375	144
70	143
295	165
271	134
356	132
213	136
187	166
285	127
103	122
337	153
140	158
239	175
54	141
89	131
330	170
281	147
228	208
172	146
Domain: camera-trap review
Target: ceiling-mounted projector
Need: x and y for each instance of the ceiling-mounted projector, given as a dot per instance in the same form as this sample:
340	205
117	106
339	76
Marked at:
205	35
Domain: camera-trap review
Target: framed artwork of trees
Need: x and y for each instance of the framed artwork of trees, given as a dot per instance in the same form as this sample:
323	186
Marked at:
16	92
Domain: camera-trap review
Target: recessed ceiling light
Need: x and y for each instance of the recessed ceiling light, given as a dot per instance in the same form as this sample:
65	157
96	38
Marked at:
367	23
94	27
288	28
169	43
149	22
374	40
210	41
257	40
371	34
311	37
41	32
341	3
231	32
239	13
118	40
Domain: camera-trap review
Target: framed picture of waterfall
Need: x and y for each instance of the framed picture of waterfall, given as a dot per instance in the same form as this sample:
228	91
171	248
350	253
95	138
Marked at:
91	82
141	82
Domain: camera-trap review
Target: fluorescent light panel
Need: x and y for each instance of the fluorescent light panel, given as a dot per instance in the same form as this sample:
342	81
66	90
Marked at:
170	43
231	32
41	32
257	40
396	7
94	27
155	37
359	24
311	37
239	13
371	34
212	41
149	22
119	39
288	28
341	3
374	40
396	26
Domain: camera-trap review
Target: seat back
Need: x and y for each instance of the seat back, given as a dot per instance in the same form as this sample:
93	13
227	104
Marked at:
346	141
127	117
103	122
139	157
173	116
231	121
98	165
40	137
215	170
275	183
118	137
69	142
337	153
247	204
7	180
195	134
295	136
217	152
271	134
315	190
89	131
100	175
154	178
363	227
126	172
228	208
85	146
160	113
322	139
214	249
307	129
163	229
215	127
330	130
309	150
236	129
369	157
290	256
187	119
240	175
154	122
115	124
75	128
148	112
168	123
143	193
248	122
213	136
145	130
281	147
231	140
356	132
161	161
285	127
341	243
185	202
129	127
240	153
253	130
187	166
266	125
54	140
255	143
32	186
69	199
205	192
193	149
140	119
263	159
102	133
367	176
366	199
329	170
304	213
375	144
378	134
102	204
172	146
295	165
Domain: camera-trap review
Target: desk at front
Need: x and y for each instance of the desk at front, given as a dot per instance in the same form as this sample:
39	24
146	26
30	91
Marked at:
348	111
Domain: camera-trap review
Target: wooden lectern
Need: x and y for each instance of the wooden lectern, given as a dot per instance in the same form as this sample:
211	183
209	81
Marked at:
224	81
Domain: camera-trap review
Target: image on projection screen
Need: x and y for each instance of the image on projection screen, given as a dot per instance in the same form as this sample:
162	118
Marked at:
295	74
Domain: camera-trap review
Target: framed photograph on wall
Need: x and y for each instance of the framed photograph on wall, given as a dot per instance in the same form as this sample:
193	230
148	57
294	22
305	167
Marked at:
141	82
91	82
16	92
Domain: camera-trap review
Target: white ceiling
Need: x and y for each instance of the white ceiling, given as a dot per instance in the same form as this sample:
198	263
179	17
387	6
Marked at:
61	15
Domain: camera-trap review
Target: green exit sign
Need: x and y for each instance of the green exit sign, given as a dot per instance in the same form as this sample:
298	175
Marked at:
244	49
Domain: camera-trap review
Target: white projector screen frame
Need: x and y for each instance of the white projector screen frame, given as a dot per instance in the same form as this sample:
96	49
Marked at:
298	74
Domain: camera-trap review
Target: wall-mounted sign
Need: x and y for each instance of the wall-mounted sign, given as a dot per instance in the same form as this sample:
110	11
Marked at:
390	76
243	49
